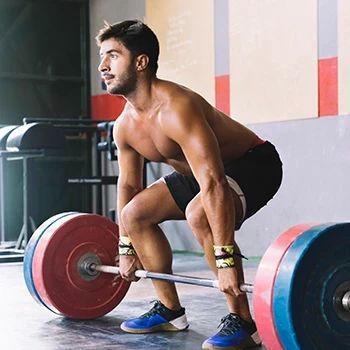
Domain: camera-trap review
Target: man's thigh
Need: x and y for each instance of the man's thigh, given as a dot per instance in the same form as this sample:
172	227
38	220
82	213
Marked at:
156	203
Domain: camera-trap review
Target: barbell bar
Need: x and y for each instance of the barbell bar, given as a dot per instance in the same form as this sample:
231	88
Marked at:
203	282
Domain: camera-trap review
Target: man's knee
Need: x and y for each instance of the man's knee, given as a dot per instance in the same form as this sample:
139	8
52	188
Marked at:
132	215
198	222
136	215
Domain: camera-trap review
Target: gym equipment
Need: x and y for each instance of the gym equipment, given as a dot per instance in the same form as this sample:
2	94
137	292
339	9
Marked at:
41	138
311	301
4	134
29	254
25	142
55	251
36	136
109	145
264	285
301	294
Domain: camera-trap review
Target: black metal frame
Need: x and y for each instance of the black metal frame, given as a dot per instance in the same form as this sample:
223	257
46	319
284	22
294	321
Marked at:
15	252
81	125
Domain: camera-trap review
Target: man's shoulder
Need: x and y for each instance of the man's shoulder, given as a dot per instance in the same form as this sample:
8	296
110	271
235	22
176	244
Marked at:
123	116
121	123
179	98
175	90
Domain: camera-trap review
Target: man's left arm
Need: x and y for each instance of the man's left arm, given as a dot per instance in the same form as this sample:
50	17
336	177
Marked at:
188	127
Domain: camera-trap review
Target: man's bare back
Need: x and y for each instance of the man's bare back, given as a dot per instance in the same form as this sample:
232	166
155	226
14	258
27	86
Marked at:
143	130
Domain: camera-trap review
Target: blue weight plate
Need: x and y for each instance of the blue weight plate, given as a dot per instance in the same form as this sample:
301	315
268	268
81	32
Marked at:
29	254
314	267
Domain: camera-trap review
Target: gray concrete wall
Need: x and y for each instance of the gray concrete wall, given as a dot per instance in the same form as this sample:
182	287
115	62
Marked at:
316	158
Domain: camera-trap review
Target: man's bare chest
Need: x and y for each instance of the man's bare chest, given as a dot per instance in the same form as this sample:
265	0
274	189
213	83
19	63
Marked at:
155	146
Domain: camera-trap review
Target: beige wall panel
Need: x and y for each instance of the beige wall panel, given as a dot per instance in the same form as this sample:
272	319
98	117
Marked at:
273	60
185	30
344	56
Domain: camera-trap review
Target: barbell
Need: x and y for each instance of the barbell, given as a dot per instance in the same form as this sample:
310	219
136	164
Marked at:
92	266
301	293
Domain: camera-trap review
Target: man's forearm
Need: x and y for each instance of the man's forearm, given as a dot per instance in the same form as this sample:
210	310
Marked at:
219	208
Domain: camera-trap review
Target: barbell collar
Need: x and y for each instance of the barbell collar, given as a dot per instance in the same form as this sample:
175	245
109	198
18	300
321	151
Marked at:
346	301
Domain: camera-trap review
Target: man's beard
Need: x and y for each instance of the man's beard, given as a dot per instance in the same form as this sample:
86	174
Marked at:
126	83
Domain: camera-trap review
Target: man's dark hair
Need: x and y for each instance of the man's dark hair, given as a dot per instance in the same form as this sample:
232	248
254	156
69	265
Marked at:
136	36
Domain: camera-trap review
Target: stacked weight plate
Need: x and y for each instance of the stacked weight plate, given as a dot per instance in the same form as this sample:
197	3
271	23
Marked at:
299	287
52	265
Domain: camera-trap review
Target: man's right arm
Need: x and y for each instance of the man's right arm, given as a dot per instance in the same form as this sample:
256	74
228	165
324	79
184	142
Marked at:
130	183
130	178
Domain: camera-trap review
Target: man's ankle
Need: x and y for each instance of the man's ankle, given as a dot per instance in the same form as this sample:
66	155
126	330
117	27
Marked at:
246	316
172	306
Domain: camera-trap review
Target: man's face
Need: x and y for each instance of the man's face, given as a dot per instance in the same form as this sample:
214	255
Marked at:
117	68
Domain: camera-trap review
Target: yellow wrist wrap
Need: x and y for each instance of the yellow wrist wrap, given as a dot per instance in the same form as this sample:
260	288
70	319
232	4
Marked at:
125	246
224	256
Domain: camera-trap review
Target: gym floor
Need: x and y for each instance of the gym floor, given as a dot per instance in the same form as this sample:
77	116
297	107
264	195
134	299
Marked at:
26	325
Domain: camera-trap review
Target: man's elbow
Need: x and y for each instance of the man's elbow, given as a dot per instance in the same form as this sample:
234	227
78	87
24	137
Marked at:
131	188
217	185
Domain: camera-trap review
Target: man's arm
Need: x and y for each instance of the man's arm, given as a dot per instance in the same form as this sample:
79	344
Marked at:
188	127
129	185
130	179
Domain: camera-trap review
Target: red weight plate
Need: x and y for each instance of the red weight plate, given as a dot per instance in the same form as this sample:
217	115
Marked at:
55	267
264	285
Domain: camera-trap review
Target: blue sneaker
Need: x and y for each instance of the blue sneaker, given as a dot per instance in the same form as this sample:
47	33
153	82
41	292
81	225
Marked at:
235	334
158	319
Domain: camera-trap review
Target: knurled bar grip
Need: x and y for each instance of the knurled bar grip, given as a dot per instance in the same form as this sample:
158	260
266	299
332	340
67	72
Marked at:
167	277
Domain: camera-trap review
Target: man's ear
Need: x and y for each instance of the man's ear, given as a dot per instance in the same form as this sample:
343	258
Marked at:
142	62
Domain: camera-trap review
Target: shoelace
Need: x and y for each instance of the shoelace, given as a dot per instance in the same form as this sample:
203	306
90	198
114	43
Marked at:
155	309
231	324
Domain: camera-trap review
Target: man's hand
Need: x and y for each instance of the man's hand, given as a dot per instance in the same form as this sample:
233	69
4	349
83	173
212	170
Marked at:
228	281
128	264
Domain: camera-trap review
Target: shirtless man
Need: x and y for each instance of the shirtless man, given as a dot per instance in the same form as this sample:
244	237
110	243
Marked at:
223	174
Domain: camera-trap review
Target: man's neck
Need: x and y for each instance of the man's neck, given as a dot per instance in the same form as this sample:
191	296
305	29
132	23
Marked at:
143	99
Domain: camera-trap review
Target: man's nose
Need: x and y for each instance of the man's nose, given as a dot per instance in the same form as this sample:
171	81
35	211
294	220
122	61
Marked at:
103	67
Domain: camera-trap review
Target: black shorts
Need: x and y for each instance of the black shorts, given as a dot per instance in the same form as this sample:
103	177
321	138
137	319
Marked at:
258	173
